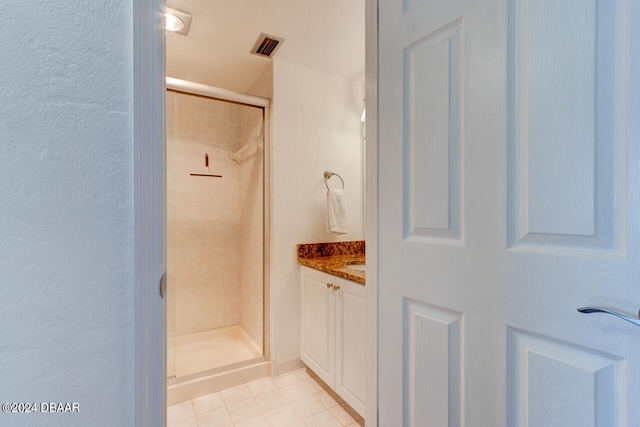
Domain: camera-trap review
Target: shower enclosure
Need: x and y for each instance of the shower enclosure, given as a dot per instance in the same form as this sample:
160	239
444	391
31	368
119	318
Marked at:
215	236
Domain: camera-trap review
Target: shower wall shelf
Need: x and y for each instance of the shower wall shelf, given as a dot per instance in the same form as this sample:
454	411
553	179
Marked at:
206	174
206	165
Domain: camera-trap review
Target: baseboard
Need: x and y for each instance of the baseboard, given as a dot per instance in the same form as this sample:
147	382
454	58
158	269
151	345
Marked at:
286	367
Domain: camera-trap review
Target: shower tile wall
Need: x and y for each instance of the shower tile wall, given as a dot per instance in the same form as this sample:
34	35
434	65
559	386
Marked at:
203	218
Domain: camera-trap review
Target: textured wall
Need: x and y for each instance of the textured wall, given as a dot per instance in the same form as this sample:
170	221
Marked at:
66	218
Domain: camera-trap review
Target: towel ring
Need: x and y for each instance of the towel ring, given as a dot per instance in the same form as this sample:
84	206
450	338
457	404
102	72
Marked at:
329	174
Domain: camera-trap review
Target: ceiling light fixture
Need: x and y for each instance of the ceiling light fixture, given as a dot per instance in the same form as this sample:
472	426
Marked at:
177	21
173	22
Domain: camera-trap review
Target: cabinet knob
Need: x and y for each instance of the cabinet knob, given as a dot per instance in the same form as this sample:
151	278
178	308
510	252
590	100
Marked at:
329	285
336	287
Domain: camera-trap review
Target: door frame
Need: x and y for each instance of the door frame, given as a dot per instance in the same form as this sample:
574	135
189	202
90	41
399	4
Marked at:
149	343
371	209
149	169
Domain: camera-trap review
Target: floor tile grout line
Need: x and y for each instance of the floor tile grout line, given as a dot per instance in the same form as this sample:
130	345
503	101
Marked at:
298	377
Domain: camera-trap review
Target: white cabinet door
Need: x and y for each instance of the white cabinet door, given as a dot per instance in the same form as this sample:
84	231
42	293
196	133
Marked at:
317	327
350	343
333	333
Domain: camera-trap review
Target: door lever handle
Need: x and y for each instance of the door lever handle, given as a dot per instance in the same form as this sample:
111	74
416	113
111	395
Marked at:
588	310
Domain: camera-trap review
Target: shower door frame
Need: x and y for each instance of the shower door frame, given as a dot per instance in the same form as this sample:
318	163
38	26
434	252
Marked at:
220	94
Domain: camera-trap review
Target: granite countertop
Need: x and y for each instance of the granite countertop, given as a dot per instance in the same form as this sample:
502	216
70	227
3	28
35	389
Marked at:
335	258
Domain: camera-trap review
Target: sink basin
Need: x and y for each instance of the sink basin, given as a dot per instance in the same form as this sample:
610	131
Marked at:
359	267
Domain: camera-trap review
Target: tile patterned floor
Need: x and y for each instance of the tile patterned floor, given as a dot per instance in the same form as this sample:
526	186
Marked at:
299	399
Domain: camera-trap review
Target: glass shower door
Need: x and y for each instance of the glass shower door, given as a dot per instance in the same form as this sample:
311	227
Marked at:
170	228
215	236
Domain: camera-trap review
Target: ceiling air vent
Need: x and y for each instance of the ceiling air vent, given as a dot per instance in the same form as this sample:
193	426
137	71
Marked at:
266	45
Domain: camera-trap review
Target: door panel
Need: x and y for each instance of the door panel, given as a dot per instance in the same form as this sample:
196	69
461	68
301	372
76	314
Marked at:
554	383
566	91
432	147
509	192
433	366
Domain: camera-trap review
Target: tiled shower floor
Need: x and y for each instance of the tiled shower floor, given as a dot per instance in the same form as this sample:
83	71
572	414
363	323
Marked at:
299	399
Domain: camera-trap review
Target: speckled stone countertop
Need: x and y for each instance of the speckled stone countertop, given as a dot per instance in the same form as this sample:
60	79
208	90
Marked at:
335	258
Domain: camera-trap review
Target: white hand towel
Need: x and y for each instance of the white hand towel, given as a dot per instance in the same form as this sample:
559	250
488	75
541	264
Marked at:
336	212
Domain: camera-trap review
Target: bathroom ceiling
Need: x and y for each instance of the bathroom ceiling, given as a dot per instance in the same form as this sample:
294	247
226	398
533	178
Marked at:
324	35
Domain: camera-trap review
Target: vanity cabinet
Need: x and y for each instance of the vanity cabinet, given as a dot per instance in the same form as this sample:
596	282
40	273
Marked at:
333	315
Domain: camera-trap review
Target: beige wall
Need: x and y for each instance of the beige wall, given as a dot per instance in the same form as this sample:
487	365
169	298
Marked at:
315	127
210	236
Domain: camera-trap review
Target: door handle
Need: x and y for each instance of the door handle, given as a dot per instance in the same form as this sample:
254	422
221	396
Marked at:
163	286
589	310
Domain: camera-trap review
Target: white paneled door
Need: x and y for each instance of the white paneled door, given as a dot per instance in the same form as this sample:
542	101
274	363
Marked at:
509	196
